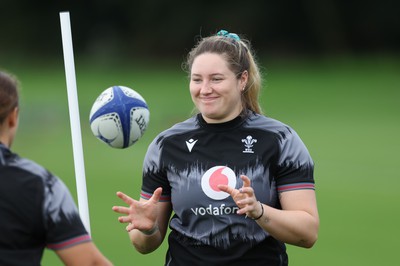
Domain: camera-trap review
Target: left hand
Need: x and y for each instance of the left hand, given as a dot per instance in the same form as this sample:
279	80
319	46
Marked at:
244	198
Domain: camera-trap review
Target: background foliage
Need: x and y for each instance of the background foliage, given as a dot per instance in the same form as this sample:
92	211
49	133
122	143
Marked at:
164	28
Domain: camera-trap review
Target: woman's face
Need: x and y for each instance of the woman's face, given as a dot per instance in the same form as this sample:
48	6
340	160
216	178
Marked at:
214	88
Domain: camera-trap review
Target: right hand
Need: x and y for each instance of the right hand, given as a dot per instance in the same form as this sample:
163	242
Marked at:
141	215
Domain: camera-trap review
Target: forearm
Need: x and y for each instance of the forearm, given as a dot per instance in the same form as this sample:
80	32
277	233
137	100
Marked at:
294	227
83	254
146	243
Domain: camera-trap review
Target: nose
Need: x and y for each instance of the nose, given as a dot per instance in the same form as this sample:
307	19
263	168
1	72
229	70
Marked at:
206	88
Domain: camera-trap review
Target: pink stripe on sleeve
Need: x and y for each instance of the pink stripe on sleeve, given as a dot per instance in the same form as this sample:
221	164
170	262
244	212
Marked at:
296	186
147	196
70	242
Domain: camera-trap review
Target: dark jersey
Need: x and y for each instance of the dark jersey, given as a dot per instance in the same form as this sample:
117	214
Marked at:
36	211
190	159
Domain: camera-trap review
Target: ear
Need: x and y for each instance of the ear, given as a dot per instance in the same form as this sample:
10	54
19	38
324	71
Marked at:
13	118
244	78
9	128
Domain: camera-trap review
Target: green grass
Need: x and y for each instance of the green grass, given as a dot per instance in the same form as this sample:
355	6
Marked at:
345	109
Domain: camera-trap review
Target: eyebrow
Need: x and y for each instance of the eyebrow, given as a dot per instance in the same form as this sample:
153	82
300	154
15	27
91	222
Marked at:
213	74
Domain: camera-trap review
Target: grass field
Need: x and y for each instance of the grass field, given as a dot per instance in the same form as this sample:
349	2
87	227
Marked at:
346	110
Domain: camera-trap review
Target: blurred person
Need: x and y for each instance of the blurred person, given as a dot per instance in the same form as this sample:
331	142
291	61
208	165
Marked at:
238	184
37	210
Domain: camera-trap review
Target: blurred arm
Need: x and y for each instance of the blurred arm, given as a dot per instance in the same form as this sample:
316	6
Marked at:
83	254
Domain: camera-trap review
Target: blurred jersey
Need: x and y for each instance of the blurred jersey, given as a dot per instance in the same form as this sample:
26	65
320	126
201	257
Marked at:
37	211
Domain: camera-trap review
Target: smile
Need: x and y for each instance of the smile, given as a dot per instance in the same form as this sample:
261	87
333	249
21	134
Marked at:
208	99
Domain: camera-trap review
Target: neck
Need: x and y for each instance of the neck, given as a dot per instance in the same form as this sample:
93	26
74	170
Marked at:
4	142
230	117
4	137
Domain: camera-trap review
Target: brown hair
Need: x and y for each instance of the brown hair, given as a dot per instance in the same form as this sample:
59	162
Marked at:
9	96
240	57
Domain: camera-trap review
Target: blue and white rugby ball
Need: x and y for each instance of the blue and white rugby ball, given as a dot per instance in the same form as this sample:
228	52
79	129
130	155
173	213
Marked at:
119	117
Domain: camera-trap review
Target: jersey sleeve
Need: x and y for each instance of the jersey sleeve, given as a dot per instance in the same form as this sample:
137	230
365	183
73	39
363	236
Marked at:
295	167
61	216
154	173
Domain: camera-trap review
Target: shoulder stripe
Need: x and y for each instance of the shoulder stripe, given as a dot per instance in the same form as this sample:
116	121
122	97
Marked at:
147	196
296	186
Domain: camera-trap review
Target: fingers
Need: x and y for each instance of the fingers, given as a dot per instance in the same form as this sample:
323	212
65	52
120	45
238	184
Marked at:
120	209
128	200
129	227
226	188
246	188
124	219
137	211
244	197
246	181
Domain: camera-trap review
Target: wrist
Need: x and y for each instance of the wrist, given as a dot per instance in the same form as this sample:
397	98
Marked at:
151	231
262	212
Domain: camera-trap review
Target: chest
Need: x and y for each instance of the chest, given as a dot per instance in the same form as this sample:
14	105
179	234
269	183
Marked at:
197	162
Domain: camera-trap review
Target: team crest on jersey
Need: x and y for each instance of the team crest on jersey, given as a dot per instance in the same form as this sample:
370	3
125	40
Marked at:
215	176
248	144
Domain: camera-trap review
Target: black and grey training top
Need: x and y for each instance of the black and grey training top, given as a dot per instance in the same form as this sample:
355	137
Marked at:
37	211
191	158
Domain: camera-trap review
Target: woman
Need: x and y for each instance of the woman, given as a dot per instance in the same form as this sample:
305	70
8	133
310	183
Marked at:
239	184
37	210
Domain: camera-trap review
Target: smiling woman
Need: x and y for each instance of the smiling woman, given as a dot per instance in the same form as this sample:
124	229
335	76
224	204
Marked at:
217	60
214	88
243	184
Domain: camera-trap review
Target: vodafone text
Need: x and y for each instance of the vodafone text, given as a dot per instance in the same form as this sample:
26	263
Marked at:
214	210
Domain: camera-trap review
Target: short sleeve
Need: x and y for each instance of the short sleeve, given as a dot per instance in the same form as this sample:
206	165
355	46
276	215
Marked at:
154	173
64	225
295	167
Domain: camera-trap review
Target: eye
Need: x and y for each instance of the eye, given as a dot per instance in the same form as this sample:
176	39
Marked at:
217	79
196	80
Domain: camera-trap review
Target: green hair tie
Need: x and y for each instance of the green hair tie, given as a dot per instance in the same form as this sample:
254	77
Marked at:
225	33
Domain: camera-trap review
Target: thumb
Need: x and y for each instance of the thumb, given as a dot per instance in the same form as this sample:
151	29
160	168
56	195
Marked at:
156	195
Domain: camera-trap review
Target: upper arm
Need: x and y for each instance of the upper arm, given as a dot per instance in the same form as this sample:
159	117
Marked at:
82	254
300	200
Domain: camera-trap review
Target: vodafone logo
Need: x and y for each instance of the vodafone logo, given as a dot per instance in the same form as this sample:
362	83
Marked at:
214	177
